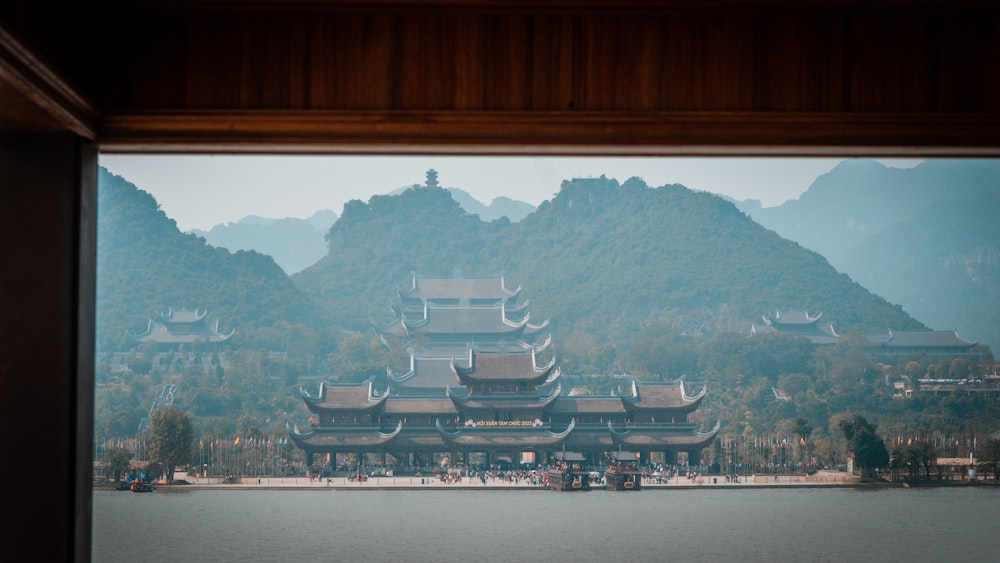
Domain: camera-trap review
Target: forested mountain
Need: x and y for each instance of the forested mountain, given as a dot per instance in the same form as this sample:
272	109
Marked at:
294	243
601	258
145	264
923	237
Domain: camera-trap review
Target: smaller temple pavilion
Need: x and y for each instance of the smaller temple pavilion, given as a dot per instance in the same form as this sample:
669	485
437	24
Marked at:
482	388
182	326
797	323
895	343
930	342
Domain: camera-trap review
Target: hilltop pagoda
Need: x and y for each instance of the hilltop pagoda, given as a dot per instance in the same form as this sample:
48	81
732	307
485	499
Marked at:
483	388
181	326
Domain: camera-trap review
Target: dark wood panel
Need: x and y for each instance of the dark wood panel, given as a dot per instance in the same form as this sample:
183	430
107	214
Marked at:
347	60
34	97
564	132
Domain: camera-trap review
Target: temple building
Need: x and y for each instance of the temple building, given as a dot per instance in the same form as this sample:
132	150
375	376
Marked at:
895	343
483	388
930	342
182	326
797	323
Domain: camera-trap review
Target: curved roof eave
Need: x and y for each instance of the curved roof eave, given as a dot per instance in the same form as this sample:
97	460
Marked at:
510	293
523	322
394	433
692	398
545	344
553	395
375	397
541	369
293	431
712	432
455	398
554	375
618	434
308	398
393	378
535	328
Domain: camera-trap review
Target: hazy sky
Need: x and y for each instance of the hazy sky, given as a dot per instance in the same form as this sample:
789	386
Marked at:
200	192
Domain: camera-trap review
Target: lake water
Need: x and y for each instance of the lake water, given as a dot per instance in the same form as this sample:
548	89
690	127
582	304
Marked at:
834	525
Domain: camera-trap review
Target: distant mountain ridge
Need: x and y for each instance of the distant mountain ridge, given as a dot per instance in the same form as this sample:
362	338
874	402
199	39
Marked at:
602	257
296	244
502	206
293	243
926	238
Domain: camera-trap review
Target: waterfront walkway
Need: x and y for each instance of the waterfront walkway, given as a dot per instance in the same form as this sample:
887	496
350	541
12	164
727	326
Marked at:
820	479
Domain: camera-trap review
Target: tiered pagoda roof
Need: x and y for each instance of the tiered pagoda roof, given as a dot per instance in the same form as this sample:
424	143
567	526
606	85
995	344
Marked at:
361	398
513	368
426	375
453	290
465	324
505	402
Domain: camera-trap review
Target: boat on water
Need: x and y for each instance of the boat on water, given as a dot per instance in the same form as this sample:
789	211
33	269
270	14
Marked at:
140	483
623	473
568	473
141	487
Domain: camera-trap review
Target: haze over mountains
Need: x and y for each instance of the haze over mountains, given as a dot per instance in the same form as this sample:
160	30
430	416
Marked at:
610	259
296	243
926	238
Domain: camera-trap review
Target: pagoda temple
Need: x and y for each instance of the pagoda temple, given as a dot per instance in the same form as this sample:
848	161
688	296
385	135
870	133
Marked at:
182	326
483	388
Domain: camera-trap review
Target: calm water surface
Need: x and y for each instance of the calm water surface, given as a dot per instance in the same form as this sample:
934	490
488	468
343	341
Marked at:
508	526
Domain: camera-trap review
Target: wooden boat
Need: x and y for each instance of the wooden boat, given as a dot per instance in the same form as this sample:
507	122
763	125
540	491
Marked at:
141	486
623	474
569	473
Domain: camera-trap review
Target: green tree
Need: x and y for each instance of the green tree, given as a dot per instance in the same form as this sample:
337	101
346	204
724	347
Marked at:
868	449
116	462
171	439
991	455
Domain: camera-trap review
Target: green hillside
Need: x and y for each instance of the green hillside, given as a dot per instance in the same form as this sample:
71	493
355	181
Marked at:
145	264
